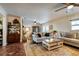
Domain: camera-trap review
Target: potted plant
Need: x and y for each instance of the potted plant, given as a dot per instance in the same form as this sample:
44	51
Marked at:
54	31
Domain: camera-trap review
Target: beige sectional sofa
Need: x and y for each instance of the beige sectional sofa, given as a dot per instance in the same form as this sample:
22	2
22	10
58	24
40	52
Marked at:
71	39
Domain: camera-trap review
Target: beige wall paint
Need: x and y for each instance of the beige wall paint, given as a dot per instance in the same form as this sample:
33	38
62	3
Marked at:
12	17
63	23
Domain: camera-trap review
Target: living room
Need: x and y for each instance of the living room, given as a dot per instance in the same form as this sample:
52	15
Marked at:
64	22
49	29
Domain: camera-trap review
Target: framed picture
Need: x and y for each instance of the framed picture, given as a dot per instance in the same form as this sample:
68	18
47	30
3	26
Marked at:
50	27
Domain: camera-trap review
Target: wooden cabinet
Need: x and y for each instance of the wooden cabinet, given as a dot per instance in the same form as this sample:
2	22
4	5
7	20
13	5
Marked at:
13	37
13	31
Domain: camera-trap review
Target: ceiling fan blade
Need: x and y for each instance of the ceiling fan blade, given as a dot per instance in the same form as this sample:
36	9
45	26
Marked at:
60	8
67	4
75	4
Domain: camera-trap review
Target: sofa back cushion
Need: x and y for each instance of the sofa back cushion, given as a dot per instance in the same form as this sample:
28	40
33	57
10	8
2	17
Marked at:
47	34
70	35
39	35
77	36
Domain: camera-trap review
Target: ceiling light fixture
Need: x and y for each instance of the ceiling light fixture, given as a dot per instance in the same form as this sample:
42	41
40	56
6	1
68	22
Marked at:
70	7
35	21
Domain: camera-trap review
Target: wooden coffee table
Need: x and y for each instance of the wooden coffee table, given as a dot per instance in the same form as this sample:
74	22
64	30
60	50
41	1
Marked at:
52	44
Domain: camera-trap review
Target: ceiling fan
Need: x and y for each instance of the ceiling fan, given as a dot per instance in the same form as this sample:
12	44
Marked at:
68	6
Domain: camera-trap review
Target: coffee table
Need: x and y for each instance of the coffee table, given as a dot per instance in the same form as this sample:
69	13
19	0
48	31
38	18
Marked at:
50	44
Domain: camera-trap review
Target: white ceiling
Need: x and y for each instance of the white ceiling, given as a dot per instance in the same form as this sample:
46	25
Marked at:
42	12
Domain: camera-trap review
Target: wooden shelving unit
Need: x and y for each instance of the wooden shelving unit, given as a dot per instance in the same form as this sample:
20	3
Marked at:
13	31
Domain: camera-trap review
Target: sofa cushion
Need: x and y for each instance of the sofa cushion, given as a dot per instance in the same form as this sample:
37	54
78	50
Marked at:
39	35
70	35
47	34
71	40
77	36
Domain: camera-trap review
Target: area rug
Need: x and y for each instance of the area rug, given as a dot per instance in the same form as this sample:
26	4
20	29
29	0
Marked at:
14	49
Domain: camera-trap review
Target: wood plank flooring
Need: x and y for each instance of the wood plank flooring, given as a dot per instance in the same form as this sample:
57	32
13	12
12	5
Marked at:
38	50
30	49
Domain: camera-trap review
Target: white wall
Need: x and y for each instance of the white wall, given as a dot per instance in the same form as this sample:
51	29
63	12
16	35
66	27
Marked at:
63	23
2	11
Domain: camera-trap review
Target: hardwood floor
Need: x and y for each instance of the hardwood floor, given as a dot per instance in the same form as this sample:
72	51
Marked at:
30	49
38	50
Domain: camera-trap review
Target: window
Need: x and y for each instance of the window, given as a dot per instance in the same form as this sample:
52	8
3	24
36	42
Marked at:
46	28
75	24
